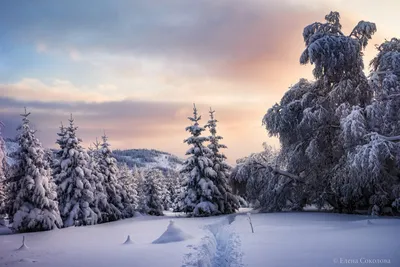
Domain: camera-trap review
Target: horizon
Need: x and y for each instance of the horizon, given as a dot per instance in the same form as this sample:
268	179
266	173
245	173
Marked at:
116	68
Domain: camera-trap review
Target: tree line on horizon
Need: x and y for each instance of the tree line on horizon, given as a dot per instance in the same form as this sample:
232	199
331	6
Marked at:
74	186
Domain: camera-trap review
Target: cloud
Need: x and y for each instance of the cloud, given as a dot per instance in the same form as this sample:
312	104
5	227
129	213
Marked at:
232	37
137	124
56	90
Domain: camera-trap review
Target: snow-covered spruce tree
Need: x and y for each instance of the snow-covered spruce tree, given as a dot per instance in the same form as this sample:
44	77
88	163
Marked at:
74	181
165	195
173	187
2	171
139	177
129	184
109	170
178	204
309	118
31	199
100	204
61	142
225	200
152	193
199	190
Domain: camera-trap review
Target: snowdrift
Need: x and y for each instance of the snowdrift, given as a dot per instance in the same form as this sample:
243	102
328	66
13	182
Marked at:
172	234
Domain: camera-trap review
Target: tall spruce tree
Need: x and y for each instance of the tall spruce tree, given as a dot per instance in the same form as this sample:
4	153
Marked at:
61	141
101	206
200	191
225	200
74	181
31	199
109	170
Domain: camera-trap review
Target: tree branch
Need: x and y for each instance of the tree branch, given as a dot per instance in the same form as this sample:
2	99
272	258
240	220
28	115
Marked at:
387	138
391	138
279	171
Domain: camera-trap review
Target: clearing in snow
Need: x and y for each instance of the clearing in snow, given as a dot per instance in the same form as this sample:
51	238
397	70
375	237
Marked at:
300	239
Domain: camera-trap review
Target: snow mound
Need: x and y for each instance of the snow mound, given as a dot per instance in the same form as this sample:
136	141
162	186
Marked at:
128	241
172	234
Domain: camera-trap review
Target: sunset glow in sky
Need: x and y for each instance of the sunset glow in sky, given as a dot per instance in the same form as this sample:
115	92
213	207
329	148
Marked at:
134	68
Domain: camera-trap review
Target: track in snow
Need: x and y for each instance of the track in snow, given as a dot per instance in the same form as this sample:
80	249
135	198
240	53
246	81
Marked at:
219	248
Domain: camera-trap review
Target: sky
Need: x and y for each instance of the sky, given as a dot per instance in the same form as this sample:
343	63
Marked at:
133	69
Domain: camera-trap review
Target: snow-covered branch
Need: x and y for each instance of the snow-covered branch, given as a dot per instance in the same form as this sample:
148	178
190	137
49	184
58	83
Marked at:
278	171
386	138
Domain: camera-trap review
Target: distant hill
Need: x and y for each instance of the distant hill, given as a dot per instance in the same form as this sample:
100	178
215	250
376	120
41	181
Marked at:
141	158
148	158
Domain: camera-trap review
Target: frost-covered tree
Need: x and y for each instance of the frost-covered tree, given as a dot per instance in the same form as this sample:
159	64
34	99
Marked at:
224	199
31	199
152	193
109	170
139	177
165	195
74	181
310	119
199	190
173	187
373	165
129	185
2	171
61	142
100	204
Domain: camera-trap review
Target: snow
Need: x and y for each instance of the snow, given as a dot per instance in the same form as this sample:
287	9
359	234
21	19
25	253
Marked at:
304	239
172	234
317	239
101	245
11	149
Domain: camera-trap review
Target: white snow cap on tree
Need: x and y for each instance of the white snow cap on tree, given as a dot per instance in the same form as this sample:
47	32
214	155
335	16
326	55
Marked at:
31	199
199	190
75	184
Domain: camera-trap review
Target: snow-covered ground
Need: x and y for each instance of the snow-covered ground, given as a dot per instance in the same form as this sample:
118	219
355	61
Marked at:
311	239
281	239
